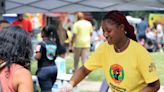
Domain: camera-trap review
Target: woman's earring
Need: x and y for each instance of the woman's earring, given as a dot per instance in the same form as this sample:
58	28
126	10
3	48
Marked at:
125	32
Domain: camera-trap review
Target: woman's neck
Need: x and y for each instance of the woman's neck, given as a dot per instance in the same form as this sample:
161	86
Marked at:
122	45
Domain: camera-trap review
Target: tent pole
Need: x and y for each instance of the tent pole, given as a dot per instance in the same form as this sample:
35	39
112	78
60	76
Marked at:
2	8
1	16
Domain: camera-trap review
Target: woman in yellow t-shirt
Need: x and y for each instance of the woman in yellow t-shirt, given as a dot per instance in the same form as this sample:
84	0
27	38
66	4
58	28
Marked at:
127	65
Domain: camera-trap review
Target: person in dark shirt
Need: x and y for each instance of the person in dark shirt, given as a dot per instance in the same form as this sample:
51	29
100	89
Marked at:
141	29
46	54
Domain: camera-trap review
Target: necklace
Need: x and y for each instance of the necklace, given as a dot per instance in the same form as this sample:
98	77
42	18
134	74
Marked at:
2	65
123	47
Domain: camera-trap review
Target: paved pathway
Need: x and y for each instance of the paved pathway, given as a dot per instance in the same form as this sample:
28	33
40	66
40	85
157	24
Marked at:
93	86
89	86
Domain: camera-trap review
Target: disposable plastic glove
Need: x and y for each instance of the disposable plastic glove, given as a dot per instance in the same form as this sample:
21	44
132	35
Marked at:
66	88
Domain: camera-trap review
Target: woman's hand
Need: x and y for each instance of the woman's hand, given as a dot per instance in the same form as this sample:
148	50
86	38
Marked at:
66	88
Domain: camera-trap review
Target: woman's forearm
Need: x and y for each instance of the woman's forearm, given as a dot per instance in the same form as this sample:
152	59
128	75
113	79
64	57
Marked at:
152	87
79	75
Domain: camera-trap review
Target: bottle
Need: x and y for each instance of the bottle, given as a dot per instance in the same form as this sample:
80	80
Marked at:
57	85
62	66
60	62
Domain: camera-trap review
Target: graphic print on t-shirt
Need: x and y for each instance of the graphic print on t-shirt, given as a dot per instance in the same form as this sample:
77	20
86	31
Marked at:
116	73
51	50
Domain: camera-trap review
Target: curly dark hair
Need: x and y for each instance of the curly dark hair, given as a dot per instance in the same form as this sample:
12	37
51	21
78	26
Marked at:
15	46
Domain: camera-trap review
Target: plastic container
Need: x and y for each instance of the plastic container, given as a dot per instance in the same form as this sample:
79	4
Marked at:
57	85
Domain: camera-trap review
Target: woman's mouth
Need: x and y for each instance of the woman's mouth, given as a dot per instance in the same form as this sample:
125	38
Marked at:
109	40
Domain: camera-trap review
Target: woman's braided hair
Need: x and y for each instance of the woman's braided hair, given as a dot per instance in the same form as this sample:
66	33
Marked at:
117	17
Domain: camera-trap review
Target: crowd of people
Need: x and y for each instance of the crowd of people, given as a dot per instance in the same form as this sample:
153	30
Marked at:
113	46
152	38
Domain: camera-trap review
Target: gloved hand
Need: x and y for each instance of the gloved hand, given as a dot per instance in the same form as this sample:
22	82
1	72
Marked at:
66	88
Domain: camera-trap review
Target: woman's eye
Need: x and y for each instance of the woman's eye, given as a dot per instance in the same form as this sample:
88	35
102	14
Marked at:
108	31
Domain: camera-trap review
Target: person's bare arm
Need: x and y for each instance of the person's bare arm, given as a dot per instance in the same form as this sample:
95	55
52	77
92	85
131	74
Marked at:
79	75
38	53
73	39
22	81
152	87
38	56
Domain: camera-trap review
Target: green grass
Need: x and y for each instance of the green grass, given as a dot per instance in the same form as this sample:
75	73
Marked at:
159	61
98	74
33	67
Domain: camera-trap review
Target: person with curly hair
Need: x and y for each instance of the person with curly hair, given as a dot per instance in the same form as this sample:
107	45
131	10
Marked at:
15	55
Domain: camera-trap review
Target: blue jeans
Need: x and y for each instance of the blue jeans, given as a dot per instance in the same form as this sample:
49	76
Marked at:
46	77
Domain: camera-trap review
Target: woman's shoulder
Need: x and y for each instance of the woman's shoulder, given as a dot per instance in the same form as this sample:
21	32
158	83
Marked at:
21	75
138	48
103	47
22	80
19	70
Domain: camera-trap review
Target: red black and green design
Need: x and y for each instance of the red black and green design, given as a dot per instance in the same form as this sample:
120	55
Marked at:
116	73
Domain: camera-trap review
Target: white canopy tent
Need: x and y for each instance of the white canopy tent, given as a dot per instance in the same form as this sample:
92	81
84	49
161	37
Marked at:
21	6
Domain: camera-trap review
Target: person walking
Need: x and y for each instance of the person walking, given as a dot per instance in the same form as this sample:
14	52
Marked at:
82	30
45	55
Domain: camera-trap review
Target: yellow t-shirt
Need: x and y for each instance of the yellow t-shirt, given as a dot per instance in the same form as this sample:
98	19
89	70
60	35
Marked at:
82	29
128	71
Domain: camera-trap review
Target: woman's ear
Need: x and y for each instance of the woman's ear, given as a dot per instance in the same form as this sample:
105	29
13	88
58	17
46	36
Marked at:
122	27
